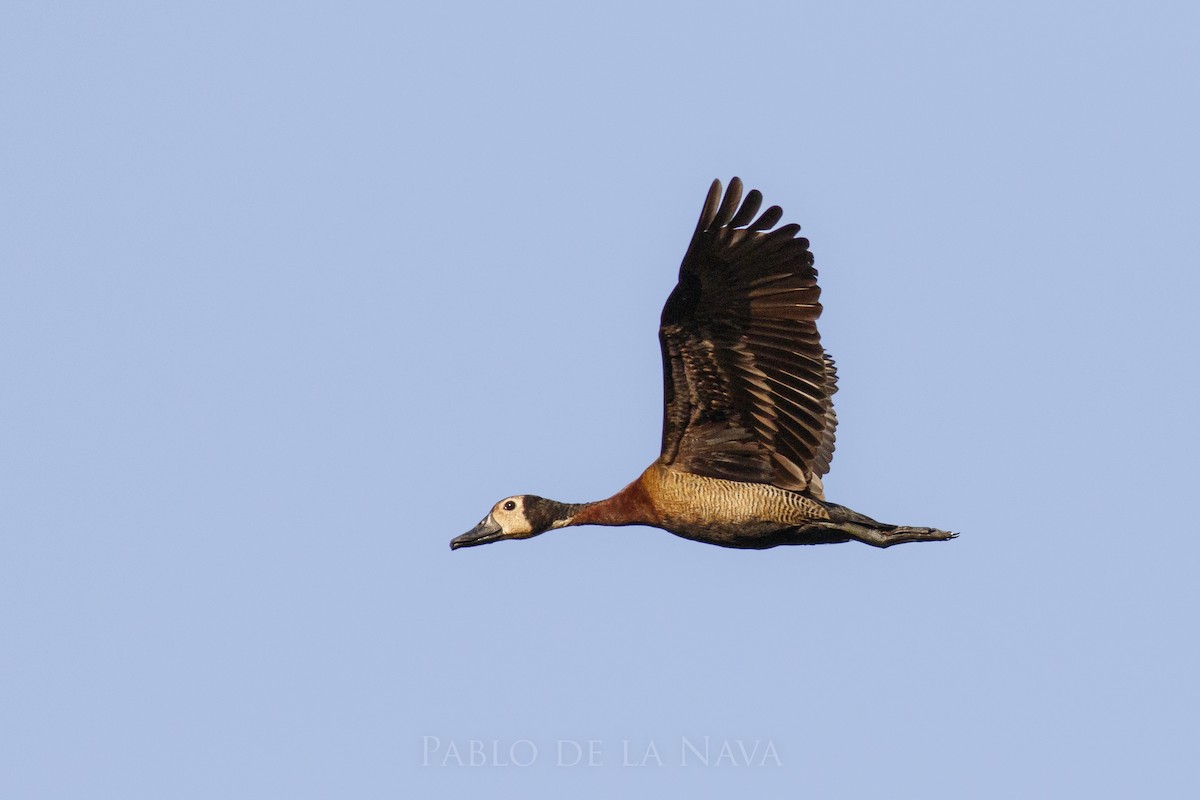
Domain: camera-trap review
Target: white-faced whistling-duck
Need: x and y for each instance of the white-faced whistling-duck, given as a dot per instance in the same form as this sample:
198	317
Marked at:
748	422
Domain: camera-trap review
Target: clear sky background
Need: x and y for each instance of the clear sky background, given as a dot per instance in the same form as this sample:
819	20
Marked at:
291	293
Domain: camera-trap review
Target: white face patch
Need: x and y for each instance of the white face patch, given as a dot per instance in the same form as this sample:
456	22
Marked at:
509	514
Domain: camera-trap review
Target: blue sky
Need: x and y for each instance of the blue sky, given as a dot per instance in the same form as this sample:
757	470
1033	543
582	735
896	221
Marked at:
292	293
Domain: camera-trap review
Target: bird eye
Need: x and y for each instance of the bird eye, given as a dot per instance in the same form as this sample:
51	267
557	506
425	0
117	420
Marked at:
509	505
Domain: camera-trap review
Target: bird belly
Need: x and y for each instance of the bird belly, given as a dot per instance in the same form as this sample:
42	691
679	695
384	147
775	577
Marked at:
723	511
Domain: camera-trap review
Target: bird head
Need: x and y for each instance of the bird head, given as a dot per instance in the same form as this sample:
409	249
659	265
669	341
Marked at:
517	517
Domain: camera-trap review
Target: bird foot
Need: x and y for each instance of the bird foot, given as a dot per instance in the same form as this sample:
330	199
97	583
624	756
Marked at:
904	534
888	536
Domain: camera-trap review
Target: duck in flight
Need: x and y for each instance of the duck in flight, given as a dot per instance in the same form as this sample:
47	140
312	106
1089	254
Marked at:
748	421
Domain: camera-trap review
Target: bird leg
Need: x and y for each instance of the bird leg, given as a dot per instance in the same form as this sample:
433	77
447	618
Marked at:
888	535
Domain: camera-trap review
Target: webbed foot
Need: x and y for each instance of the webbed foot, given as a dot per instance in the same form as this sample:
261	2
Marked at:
886	536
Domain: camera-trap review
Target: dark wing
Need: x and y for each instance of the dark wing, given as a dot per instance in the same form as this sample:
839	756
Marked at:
747	385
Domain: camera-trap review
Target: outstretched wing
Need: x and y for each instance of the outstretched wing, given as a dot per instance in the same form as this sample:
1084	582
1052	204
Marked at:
747	386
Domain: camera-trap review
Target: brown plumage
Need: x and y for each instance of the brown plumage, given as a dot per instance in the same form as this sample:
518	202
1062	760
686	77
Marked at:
748	420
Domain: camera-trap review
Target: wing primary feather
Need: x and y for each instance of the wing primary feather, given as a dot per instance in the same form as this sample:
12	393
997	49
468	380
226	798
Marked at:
710	207
706	216
768	219
749	208
733	196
